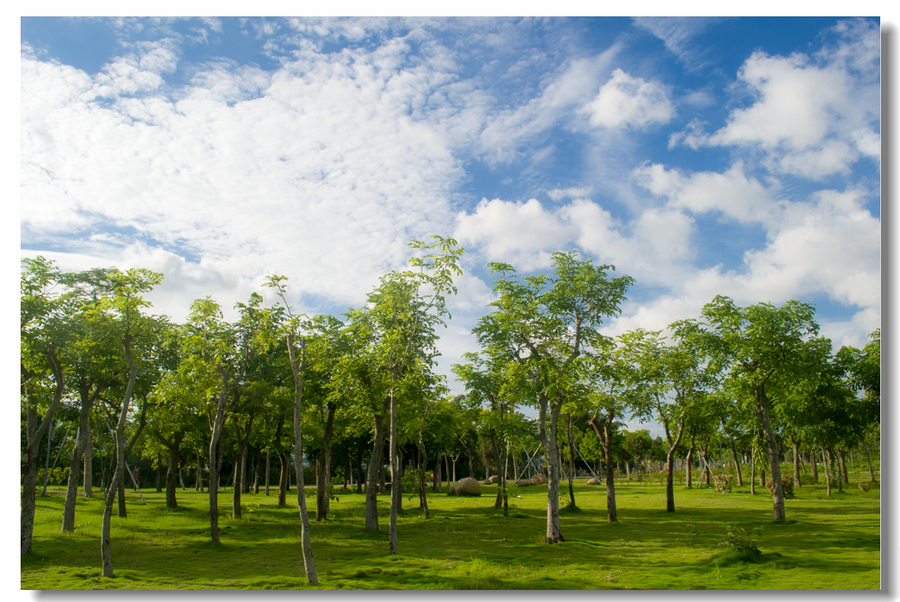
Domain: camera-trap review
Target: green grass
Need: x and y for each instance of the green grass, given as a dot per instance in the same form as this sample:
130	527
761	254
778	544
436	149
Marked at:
825	543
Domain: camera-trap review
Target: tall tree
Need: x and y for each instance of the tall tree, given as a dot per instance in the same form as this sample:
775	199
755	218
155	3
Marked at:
295	331
406	308
759	346
545	323
46	311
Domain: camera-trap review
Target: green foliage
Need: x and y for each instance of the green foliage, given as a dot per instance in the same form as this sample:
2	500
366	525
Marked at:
737	539
723	482
787	486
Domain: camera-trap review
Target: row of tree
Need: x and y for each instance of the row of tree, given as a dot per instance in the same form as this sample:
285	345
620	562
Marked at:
209	391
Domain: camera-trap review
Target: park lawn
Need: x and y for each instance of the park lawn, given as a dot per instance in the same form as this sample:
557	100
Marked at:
825	543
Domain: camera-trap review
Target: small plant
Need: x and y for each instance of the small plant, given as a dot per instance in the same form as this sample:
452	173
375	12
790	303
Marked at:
723	482
864	486
740	541
511	492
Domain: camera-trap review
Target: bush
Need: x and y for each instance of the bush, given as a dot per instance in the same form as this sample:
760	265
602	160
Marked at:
787	486
723	482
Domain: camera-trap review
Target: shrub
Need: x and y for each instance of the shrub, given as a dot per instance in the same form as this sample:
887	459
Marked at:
723	482
864	486
787	487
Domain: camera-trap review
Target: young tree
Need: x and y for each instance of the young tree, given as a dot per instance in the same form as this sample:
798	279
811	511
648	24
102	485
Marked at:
545	323
295	330
759	346
46	314
405	310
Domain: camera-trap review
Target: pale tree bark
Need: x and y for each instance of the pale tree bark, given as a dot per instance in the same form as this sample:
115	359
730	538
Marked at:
214	462
795	446
762	412
372	472
118	475
88	487
548	439
323	467
172	471
396	477
605	437
87	400
570	439
689	463
737	461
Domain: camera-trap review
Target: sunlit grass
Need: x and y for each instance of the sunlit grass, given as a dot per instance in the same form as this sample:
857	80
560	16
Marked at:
825	543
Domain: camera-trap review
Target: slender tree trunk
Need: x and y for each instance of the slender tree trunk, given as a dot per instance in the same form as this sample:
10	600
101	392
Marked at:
323	478
88	486
238	483
829	471
284	477
814	464
171	474
845	478
309	564
423	458
548	439
795	445
570	439
68	521
372	473
214	453
268	468
869	460
436	484
396	477
753	471
256	472
501	480
689	462
737	463
118	475
762	412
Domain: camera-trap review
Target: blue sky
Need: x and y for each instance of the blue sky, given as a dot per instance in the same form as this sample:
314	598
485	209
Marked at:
701	156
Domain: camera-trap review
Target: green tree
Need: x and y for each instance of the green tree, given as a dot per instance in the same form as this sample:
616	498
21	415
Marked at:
546	322
759	345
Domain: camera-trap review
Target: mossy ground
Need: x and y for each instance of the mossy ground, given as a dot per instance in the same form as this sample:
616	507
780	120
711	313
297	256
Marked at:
825	543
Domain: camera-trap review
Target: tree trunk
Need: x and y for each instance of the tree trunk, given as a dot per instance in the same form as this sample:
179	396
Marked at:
689	461
396	477
372	473
309	564
737	463
762	412
214	463
238	483
829	471
88	462
548	439
795	445
118	475
283	477
753	471
845	478
171	474
869	460
814	464
423	497
570	439
68	521
268	468
323	467
436	484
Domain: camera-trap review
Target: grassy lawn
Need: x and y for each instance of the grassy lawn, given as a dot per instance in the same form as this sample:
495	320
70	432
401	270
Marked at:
825	543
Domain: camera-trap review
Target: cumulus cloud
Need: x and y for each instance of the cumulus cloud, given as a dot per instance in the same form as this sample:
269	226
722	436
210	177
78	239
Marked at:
811	116
626	101
316	169
733	193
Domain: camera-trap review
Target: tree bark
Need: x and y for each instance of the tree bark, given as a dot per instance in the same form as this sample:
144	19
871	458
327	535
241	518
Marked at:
68	521
88	485
372	472
814	464
845	478
737	463
268	468
795	446
323	467
118	475
548	439
396	477
762	412
688	464
606	440
172	472
570	439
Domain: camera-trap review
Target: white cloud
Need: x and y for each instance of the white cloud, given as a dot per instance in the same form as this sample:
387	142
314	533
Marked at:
626	101
317	170
732	193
